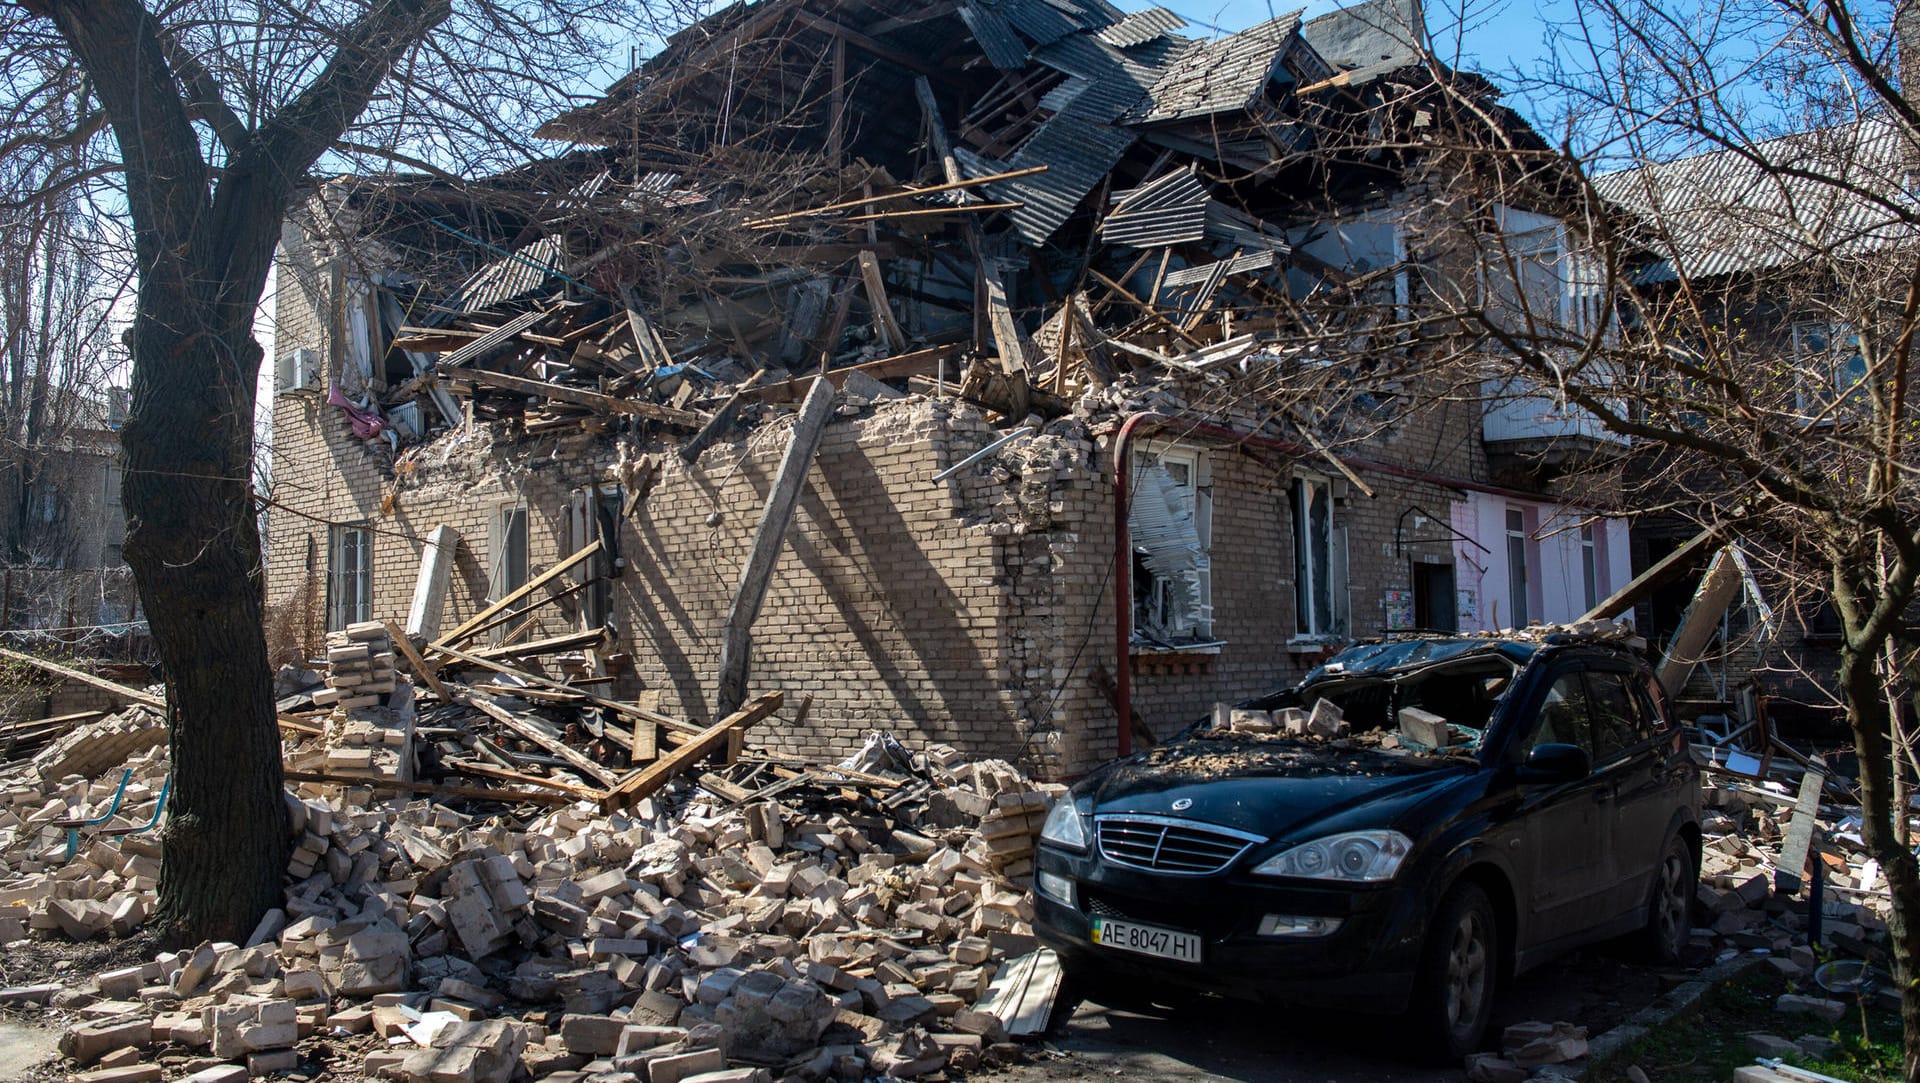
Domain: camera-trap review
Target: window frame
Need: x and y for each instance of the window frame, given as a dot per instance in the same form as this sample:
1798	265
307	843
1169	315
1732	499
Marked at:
1520	586
346	606
1840	352
1200	484
1310	624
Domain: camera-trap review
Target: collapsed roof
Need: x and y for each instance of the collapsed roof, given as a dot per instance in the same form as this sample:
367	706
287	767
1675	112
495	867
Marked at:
1028	198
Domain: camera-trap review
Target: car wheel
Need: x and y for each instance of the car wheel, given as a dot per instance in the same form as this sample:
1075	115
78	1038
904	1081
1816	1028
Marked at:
1670	911
1453	993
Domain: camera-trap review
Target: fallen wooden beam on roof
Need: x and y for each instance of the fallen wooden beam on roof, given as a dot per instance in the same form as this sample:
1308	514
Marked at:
666	415
764	551
645	781
478	620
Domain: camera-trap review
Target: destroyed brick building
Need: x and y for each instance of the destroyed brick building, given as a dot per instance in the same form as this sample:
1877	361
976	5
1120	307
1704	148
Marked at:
1066	234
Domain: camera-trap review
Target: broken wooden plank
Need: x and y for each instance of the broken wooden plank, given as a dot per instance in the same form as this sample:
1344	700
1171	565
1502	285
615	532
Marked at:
1699	623
474	623
132	695
1798	844
653	351
645	781
430	588
437	789
630	710
666	415
883	197
501	774
1665	570
578	761
768	539
568	641
884	323
917	363
425	672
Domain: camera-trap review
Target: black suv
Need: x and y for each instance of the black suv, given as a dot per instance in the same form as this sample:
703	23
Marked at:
1469	808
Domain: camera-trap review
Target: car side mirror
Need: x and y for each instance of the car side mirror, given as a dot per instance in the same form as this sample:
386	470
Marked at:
1555	762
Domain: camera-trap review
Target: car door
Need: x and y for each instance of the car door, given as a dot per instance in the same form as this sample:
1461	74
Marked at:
1567	827
1630	761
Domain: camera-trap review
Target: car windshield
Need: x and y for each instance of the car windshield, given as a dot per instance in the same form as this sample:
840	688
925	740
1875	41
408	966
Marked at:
1442	708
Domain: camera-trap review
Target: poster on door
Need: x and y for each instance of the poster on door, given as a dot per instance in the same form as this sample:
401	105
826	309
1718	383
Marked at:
1398	608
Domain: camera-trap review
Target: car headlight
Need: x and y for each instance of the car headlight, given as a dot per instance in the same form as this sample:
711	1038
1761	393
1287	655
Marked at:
1355	857
1065	826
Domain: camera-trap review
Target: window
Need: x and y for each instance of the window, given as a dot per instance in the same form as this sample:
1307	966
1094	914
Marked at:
1618	723
1319	561
1828	367
1539	277
1170	522
1589	567
595	514
111	484
1517	543
1563	716
508	570
349	576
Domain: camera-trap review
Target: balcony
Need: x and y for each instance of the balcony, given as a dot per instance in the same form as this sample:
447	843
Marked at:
1530	439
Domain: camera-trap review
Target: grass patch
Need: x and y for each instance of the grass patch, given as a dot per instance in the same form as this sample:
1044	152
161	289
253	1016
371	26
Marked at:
1711	1041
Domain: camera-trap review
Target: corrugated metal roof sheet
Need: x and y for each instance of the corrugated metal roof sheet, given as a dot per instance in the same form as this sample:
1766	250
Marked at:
1370	38
1218	76
514	275
1227	224
1238	265
1039	21
1723	213
1142	27
1078	153
995	36
1170	210
1118	79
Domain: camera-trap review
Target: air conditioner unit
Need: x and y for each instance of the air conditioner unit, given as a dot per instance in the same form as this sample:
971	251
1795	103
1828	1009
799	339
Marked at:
297	370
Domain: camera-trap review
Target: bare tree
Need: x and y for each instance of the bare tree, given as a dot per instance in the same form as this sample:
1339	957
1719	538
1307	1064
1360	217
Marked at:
1720	262
200	121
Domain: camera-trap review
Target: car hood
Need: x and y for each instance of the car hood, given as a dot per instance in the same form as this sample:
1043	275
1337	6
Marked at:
1272	787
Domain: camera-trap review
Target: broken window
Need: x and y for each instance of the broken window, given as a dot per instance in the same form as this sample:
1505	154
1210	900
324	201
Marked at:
508	570
1319	561
1171	524
1829	368
349	576
595	515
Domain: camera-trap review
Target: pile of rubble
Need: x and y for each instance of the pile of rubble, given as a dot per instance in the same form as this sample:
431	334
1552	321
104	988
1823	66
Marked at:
816	935
359	666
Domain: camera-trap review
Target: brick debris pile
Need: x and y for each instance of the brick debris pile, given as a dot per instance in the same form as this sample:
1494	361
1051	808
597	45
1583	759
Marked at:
818	935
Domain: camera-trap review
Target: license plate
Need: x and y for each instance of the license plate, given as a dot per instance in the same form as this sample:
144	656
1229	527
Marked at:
1147	940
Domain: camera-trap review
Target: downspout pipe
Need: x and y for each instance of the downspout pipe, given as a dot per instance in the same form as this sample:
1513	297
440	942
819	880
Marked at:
1148	421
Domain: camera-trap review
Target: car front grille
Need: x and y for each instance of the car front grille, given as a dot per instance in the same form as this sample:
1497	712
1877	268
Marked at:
1164	844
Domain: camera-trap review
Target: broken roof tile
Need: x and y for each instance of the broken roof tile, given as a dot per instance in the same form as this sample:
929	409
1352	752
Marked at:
995	36
1169	210
1220	76
1141	27
1078	153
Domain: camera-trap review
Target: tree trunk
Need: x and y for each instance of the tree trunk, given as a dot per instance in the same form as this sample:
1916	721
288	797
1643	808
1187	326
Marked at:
194	546
1865	695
